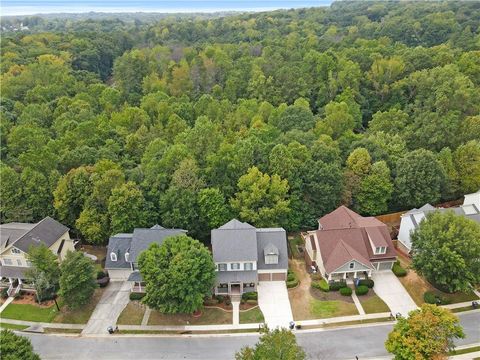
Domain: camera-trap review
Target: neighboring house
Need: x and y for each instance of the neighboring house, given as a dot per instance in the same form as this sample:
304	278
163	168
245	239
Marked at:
124	249
245	255
347	245
411	219
16	239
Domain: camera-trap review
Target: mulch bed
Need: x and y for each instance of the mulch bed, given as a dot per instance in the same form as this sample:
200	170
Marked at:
329	296
31	299
226	307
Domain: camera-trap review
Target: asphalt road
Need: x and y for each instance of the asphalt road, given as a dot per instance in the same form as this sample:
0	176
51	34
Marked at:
364	342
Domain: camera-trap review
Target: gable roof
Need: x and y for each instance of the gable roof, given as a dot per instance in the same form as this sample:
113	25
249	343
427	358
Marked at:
22	235
272	240
344	218
118	244
343	253
234	241
234	224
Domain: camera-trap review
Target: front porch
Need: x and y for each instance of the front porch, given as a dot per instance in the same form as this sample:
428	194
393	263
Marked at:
349	275
235	288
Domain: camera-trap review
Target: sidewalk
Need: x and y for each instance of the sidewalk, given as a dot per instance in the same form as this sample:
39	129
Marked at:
42	324
357	303
341	319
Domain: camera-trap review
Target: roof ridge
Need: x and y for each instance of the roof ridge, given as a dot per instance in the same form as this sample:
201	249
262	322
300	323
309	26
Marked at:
38	223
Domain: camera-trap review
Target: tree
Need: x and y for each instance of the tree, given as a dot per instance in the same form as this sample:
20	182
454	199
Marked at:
44	271
178	274
16	347
375	190
212	207
77	279
359	161
127	208
467	163
296	117
419	179
338	118
446	249
278	344
261	199
426	334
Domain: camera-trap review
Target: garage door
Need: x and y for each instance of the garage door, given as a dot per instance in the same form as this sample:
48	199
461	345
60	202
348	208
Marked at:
385	265
278	276
264	277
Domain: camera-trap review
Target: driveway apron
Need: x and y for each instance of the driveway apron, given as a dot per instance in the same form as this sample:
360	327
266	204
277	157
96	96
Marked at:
274	303
113	301
391	291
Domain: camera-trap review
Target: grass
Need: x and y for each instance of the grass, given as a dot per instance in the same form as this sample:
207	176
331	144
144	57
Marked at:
12	326
465	308
465	351
80	315
132	314
374	305
293	242
254	315
166	332
62	331
327	309
347	323
210	316
29	312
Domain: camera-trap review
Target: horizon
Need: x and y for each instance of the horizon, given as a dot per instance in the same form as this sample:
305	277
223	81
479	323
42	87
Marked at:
13	8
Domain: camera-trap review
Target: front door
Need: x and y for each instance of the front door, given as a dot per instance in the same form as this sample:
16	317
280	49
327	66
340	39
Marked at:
235	288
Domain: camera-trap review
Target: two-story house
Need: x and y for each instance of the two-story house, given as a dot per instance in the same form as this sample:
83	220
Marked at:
16	240
124	249
347	245
245	255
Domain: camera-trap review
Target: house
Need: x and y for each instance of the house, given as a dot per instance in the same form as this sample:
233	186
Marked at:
124	249
245	255
347	245
411	219
16	240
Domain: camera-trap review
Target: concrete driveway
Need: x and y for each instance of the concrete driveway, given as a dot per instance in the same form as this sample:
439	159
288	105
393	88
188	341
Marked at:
274	303
390	289
109	308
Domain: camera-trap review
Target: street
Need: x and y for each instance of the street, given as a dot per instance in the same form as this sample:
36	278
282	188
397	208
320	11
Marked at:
367	341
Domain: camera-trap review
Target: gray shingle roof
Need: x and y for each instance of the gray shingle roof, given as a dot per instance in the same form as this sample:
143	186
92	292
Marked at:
11	232
142	238
268	238
13	271
118	244
46	232
234	224
135	276
232	276
234	241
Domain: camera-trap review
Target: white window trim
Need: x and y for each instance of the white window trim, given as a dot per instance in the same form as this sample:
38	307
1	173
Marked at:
224	265
351	265
113	256
250	264
239	266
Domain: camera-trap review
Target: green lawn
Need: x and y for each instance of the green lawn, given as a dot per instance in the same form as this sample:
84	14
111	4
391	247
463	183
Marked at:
30	312
210	316
12	326
326	309
465	351
254	315
132	314
373	305
80	315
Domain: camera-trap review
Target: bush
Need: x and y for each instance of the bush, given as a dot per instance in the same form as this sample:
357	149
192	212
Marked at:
316	276
252	302
228	302
220	298
337	285
101	274
321	285
103	281
398	270
3	293
136	296
250	296
346	291
432	298
291	275
292	284
367	282
361	290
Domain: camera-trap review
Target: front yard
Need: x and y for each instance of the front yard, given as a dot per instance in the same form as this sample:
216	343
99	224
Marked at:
254	315
132	314
209	316
372	304
320	309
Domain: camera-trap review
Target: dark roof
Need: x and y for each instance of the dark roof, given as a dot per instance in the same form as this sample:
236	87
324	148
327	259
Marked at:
135	276
13	271
46	232
11	232
119	244
142	238
232	276
234	241
272	240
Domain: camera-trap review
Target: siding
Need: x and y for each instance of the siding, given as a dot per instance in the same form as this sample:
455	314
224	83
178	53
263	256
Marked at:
357	267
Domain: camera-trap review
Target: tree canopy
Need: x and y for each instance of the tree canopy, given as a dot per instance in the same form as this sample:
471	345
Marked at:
15	347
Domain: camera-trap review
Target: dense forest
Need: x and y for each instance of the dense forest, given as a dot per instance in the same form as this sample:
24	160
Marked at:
275	118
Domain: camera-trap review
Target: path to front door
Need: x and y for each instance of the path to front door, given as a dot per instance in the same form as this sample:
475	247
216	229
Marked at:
109	308
274	303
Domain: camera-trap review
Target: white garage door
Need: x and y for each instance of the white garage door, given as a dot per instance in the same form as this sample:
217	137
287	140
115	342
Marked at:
385	265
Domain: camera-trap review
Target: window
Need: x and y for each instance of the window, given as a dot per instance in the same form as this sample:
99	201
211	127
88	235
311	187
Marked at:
19	262
113	256
271	259
127	255
15	251
248	266
222	267
235	266
352	265
59	251
7	261
222	286
380	250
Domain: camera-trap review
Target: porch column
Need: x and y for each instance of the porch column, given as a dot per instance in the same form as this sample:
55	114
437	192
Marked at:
10	280
20	281
344	276
355	275
329	277
369	273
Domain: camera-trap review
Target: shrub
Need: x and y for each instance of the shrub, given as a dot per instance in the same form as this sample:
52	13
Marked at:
321	285
367	282
292	284
432	298
100	274
346	291
250	295
228	302
291	275
136	296
103	281
398	270
252	302
337	285
220	298
3	293
361	290
316	276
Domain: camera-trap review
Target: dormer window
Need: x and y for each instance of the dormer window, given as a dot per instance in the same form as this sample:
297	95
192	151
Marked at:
113	256
15	251
380	250
127	255
271	254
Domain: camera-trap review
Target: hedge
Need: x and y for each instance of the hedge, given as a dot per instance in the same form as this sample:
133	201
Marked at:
250	296
367	282
220	298
321	285
337	285
136	296
361	290
291	275
346	291
252	302
398	270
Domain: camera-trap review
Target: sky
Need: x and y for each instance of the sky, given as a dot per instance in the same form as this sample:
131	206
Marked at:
30	7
